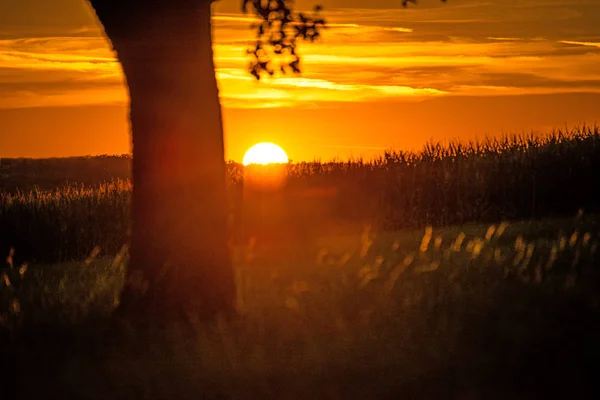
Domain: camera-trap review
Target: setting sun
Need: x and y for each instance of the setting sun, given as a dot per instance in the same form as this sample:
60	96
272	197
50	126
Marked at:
265	153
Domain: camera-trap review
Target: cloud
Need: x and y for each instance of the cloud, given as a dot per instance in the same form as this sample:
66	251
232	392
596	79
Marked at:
467	48
287	91
588	44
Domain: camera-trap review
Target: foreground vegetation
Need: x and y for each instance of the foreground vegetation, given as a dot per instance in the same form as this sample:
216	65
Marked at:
512	178
509	310
438	309
442	315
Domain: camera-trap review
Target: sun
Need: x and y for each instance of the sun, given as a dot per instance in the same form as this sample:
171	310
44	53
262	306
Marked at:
265	153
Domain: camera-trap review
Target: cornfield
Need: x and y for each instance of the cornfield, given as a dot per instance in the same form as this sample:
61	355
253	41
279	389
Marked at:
51	216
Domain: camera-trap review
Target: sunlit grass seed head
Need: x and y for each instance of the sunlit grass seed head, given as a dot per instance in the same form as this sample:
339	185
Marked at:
490	232
573	238
457	245
552	257
586	239
6	279
15	306
120	257
529	253
93	254
477	246
426	239
501	228
9	258
519	256
562	243
344	259
519	243
428	267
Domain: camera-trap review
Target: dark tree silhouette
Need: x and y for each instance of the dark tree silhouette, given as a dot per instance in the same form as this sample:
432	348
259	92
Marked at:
180	263
179	259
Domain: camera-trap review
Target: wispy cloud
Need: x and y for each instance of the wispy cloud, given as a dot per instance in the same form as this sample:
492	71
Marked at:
589	44
471	48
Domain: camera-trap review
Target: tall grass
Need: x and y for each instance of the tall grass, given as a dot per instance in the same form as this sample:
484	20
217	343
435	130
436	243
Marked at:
513	177
432	313
66	223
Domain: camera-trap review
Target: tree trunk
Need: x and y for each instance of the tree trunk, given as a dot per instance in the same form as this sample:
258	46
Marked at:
180	261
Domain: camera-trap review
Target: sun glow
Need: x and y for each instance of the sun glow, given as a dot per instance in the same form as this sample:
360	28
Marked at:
265	153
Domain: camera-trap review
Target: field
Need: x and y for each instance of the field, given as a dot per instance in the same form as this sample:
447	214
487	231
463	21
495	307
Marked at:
375	294
506	311
81	203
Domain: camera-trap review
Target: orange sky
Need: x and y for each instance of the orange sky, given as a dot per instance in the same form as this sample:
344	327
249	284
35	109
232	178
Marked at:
380	78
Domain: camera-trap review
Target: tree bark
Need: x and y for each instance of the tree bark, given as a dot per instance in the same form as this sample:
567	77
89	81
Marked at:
180	261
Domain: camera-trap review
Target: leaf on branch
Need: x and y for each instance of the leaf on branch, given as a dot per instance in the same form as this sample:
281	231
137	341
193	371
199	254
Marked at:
277	33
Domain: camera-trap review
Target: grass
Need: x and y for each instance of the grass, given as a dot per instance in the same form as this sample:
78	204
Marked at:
432	302
506	311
